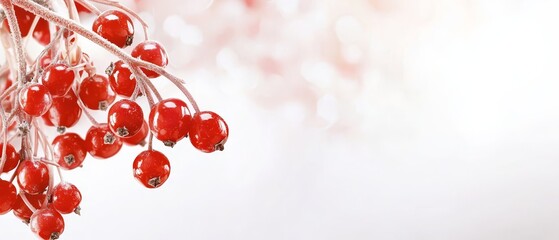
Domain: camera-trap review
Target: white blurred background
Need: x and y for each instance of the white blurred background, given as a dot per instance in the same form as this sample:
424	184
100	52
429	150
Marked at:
355	119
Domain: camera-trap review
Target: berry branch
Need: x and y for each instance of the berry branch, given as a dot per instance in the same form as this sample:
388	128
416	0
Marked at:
60	83
113	49
90	7
16	37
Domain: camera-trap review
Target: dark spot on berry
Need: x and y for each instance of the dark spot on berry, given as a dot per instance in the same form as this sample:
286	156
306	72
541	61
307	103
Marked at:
69	159
169	143
129	40
155	182
61	129
103	105
78	210
122	132
109	138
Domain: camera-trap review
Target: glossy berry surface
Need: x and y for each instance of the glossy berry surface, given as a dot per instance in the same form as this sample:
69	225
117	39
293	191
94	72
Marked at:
58	79
208	132
59	82
12	157
151	168
69	150
81	8
125	118
121	79
42	32
47	223
153	52
25	20
169	120
96	93
100	142
66	198
116	27
47	120
64	112
22	211
35	99
8	196
33	177
139	138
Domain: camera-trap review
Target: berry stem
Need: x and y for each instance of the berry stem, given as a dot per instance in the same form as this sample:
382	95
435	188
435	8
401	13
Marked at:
6	123
6	93
72	11
48	162
51	184
146	83
87	113
16	38
48	146
183	89
113	49
26	201
49	47
4	140
145	91
31	29
89	7
35	141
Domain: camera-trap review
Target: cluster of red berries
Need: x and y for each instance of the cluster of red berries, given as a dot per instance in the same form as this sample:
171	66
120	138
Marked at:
61	86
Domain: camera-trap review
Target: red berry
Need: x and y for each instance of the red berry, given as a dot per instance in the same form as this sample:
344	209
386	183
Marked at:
125	118
121	79
208	132
58	79
151	168
42	32
66	198
25	20
116	27
22	211
47	223
8	196
69	150
35	99
64	112
138	138
7	104
12	157
153	52
7	83
96	93
100	142
169	120
81	8
33	177
47	120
